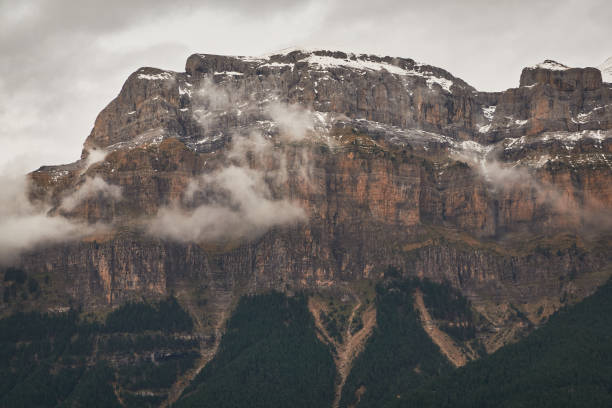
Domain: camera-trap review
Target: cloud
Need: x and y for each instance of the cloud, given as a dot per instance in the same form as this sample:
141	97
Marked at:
63	61
499	175
94	156
293	120
241	199
239	205
213	97
211	101
24	226
92	187
254	147
593	216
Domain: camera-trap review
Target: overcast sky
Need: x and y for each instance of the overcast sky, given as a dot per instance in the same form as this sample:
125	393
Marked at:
62	61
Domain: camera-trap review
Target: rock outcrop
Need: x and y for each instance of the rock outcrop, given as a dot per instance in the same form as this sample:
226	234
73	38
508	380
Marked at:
507	195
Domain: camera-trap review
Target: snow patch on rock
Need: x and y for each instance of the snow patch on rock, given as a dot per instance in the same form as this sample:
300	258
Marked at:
327	62
443	82
231	73
163	76
360	62
568	139
489	111
551	65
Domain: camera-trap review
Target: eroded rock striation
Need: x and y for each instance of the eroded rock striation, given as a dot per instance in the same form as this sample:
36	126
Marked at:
507	195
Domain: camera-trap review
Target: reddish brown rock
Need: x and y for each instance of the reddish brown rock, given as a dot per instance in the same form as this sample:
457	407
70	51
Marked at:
392	189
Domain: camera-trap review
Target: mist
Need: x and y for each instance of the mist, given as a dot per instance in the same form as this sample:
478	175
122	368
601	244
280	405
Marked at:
240	205
293	121
232	202
94	156
243	198
24	226
92	187
501	177
210	101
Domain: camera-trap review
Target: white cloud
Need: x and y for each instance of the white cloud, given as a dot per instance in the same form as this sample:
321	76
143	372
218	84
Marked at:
503	177
236	200
63	61
92	187
242	206
294	121
24	225
94	156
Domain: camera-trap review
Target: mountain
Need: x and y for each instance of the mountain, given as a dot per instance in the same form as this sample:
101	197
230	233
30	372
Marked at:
606	70
326	175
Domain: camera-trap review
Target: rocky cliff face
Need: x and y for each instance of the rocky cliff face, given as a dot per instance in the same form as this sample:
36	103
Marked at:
507	195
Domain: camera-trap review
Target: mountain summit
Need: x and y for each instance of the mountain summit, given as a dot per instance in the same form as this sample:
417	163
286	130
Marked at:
552	65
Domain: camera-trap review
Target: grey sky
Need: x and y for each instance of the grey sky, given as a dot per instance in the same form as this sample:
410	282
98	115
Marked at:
62	61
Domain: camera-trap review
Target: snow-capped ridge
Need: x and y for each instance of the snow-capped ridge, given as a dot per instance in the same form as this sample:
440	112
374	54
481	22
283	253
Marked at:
551	65
319	50
321	60
327	59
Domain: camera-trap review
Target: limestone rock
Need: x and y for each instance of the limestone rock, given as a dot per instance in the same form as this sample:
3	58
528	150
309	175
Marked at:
504	194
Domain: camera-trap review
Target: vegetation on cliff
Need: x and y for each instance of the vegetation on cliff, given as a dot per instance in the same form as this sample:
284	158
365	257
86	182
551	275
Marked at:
165	315
565	363
63	360
447	304
398	355
269	357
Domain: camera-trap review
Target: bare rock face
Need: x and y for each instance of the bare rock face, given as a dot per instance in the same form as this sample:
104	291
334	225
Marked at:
394	91
148	100
507	195
562	77
551	97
